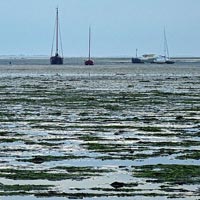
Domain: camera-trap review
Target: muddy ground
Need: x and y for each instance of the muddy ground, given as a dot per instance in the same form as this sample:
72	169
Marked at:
115	131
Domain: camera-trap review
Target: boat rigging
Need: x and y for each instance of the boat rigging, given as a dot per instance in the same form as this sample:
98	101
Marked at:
89	61
57	59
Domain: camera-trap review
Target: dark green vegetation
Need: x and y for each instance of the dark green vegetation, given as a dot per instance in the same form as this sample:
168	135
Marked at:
8	190
172	178
79	134
63	173
41	159
189	154
173	174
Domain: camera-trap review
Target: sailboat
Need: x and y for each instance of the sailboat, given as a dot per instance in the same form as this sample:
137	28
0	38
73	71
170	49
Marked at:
165	59
166	51
56	59
89	61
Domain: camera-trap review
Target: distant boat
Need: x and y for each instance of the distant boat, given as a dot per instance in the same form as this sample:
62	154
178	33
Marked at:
89	61
160	60
57	59
166	51
136	59
164	59
146	58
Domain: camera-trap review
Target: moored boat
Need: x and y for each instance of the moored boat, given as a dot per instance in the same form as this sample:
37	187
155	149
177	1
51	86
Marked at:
136	59
89	61
56	59
166	51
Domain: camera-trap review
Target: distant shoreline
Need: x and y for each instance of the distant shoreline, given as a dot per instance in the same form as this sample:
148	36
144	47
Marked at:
84	57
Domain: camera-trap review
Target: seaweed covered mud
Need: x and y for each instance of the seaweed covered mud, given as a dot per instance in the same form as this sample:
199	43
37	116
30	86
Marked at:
114	131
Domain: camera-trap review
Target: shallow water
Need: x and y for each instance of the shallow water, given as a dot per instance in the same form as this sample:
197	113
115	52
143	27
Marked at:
99	123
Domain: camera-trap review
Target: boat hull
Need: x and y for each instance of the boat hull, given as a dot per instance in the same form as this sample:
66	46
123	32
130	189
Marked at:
159	62
164	62
137	60
56	60
169	62
89	62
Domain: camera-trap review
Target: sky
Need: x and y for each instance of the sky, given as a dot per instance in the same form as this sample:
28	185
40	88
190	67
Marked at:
118	27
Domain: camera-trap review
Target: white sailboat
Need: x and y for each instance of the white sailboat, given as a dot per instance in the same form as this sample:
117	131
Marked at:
164	59
166	51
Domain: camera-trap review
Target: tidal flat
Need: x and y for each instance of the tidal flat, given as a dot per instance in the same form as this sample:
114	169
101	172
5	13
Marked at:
113	131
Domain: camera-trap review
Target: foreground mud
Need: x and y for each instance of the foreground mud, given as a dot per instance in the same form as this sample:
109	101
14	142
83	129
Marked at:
109	132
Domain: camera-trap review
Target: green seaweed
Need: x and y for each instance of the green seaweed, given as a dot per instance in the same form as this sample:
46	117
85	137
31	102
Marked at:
91	171
150	129
24	188
90	137
9	140
43	174
192	155
175	174
41	159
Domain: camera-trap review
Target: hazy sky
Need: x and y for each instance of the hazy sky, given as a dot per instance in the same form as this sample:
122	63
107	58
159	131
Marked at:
118	26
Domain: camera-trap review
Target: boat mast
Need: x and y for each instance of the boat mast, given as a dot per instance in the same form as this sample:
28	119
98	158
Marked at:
89	40
57	31
166	50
